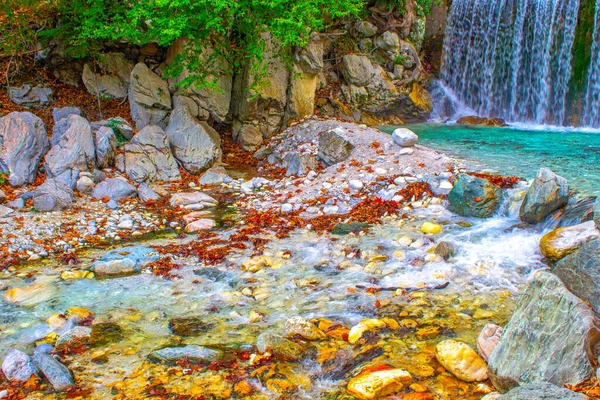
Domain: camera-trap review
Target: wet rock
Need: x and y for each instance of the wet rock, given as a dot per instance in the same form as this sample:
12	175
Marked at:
551	326
79	315
18	366
580	272
194	354
148	157
596	212
56	373
74	337
299	326
59	114
189	326
114	188
474	197
488	339
124	261
146	194
200	225
104	333
106	147
378	384
195	144
475	120
214	175
351	227
542	391
431	228
548	193
404	137
188	198
110	77
461	361
29	96
30	295
279	346
368	325
23	143
333	148
491	396
445	250
75	152
564	241
357	70
254	264
53	195
149	97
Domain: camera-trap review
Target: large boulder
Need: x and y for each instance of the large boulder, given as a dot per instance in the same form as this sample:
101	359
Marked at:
23	142
75	152
333	147
580	271
18	366
28	96
542	391
195	144
564	241
148	157
474	197
548	193
404	137
114	189
549	338
106	147
357	70
53	195
57	374
59	114
308	63
110	77
149	97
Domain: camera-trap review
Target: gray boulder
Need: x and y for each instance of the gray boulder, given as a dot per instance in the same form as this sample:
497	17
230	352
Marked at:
214	176
113	188
148	158
193	353
28	96
53	195
542	391
333	147
365	29
548	193
195	144
106	147
111	76
474	197
61	124
549	338
23	142
357	70
73	153
57	374
85	185
149	97
146	194
18	366
62	113
118	125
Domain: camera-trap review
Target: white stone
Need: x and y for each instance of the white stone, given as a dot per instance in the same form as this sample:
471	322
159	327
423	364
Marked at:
446	185
406	152
287	207
404	137
126	224
355	184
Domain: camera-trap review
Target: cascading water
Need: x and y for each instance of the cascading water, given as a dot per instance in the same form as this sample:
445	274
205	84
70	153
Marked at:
511	58
591	108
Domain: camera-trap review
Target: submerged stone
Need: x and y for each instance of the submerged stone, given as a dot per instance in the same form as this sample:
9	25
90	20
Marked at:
279	346
74	337
189	326
192	353
57	374
299	326
378	384
351	227
104	333
30	295
461	361
542	391
124	261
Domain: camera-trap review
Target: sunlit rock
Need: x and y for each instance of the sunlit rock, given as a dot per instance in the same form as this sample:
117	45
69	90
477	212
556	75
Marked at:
461	360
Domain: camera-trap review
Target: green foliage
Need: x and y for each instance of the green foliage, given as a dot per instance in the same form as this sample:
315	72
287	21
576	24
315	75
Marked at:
20	23
4	177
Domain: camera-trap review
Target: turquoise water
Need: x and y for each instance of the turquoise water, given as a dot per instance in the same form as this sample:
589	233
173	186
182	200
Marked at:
574	154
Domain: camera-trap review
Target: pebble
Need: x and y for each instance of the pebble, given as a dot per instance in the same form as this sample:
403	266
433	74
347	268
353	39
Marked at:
431	228
287	207
355	184
125	225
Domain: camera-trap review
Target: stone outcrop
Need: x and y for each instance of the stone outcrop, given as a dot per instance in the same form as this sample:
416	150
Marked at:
29	96
304	80
149	97
110	77
148	157
195	144
23	142
106	147
475	120
53	195
549	338
474	197
548	193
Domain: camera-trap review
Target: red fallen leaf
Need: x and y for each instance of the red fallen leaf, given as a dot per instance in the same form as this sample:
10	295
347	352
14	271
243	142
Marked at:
377	304
421	164
477	199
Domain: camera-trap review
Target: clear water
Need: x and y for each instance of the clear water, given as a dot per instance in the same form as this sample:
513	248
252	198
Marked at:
574	154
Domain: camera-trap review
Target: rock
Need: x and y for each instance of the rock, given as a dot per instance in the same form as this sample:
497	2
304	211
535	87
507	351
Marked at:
57	374
148	157
299	164
29	96
357	70
18	204
580	272
564	241
75	152
445	250
279	346
366	325
597	212
404	137
431	228
105	333
85	185
299	326
475	120
351	227
189	326
355	184
474	197
5	211
146	194
111	78
542	391
214	175
79	315
389	41
23	143
194	354
379	384
30	295
200	225
548	193
461	361
491	396
53	195
63	112
18	366
551	326
304	79
187	198
113	188
488	339
333	148
149	97
73	338
365	29
106	147
124	261
118	125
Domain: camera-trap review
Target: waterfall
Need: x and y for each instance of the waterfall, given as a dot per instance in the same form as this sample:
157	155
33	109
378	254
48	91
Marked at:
591	107
511	58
